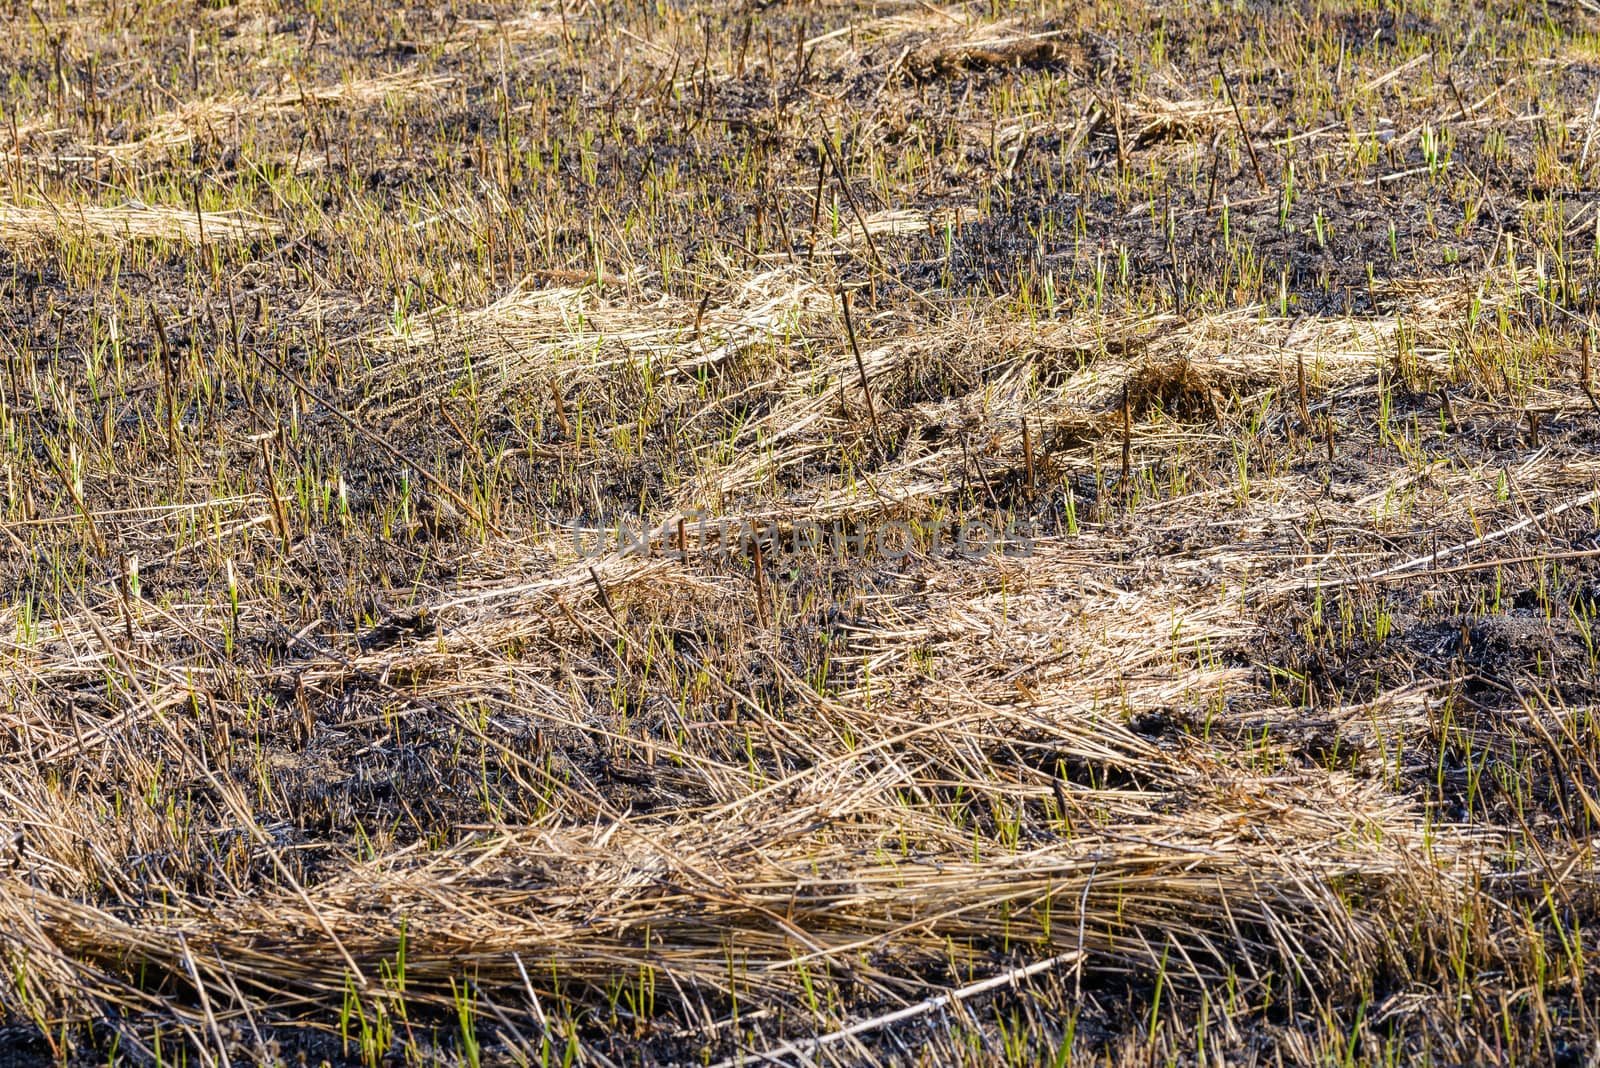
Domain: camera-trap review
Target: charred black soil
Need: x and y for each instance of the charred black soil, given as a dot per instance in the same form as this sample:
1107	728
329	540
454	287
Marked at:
827	532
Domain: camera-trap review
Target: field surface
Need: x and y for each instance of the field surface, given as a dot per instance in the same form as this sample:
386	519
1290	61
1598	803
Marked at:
816	533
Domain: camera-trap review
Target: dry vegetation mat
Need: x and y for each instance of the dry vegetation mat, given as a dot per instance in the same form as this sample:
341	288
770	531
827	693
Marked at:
810	533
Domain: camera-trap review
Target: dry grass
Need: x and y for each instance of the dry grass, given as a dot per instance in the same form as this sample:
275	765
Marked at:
210	119
379	686
21	223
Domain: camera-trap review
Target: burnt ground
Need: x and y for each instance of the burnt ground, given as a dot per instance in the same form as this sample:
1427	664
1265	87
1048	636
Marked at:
1270	325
